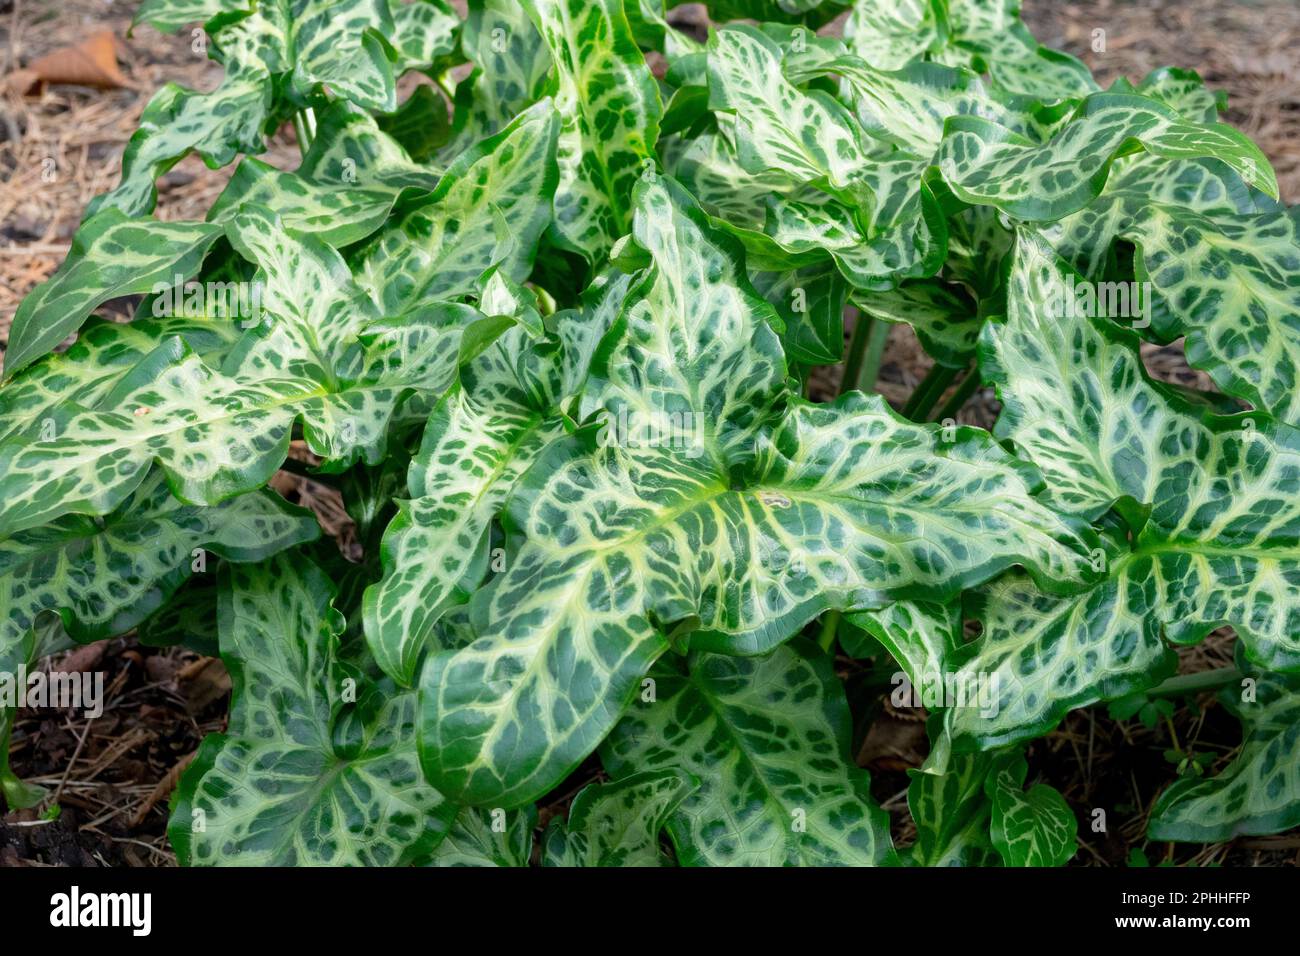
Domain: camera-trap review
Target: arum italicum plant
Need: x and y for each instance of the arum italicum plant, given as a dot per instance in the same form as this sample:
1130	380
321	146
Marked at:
547	324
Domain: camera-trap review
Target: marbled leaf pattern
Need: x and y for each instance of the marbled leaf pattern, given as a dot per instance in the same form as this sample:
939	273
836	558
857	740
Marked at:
302	777
768	739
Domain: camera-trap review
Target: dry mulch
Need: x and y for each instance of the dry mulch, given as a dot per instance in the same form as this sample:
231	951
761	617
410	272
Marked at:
113	775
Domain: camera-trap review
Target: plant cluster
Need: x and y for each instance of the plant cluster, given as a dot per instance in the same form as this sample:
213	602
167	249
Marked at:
548	324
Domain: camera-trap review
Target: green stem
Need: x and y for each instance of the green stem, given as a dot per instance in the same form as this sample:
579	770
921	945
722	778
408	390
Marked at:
1197	683
959	398
866	349
857	350
830	623
304	127
875	355
933	386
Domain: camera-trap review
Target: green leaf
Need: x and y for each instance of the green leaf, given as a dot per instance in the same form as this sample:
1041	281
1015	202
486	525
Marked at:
904	241
807	136
435	550
297	779
984	163
488	838
768	738
421	124
1259	790
889	36
168	16
101	578
188	619
1211	536
810	301
609	114
618	824
923	637
512	65
741	529
952	814
942	316
489	209
1033	827
112	255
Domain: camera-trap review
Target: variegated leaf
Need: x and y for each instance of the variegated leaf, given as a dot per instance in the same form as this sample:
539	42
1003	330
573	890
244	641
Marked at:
807	136
989	35
425	34
1043	655
90	368
299	777
952	814
705	335
435	550
1232	287
984	163
609	114
739	532
1206	497
168	16
112	255
902	242
1259	790
1033	827
338	213
218	125
889	36
351	152
908	107
219	433
1136	184
924	638
618	823
943	317
101	578
490	208
488	838
511	67
768	738
343	44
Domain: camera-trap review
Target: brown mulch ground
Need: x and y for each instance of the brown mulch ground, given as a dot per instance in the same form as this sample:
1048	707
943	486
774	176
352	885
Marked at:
63	146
